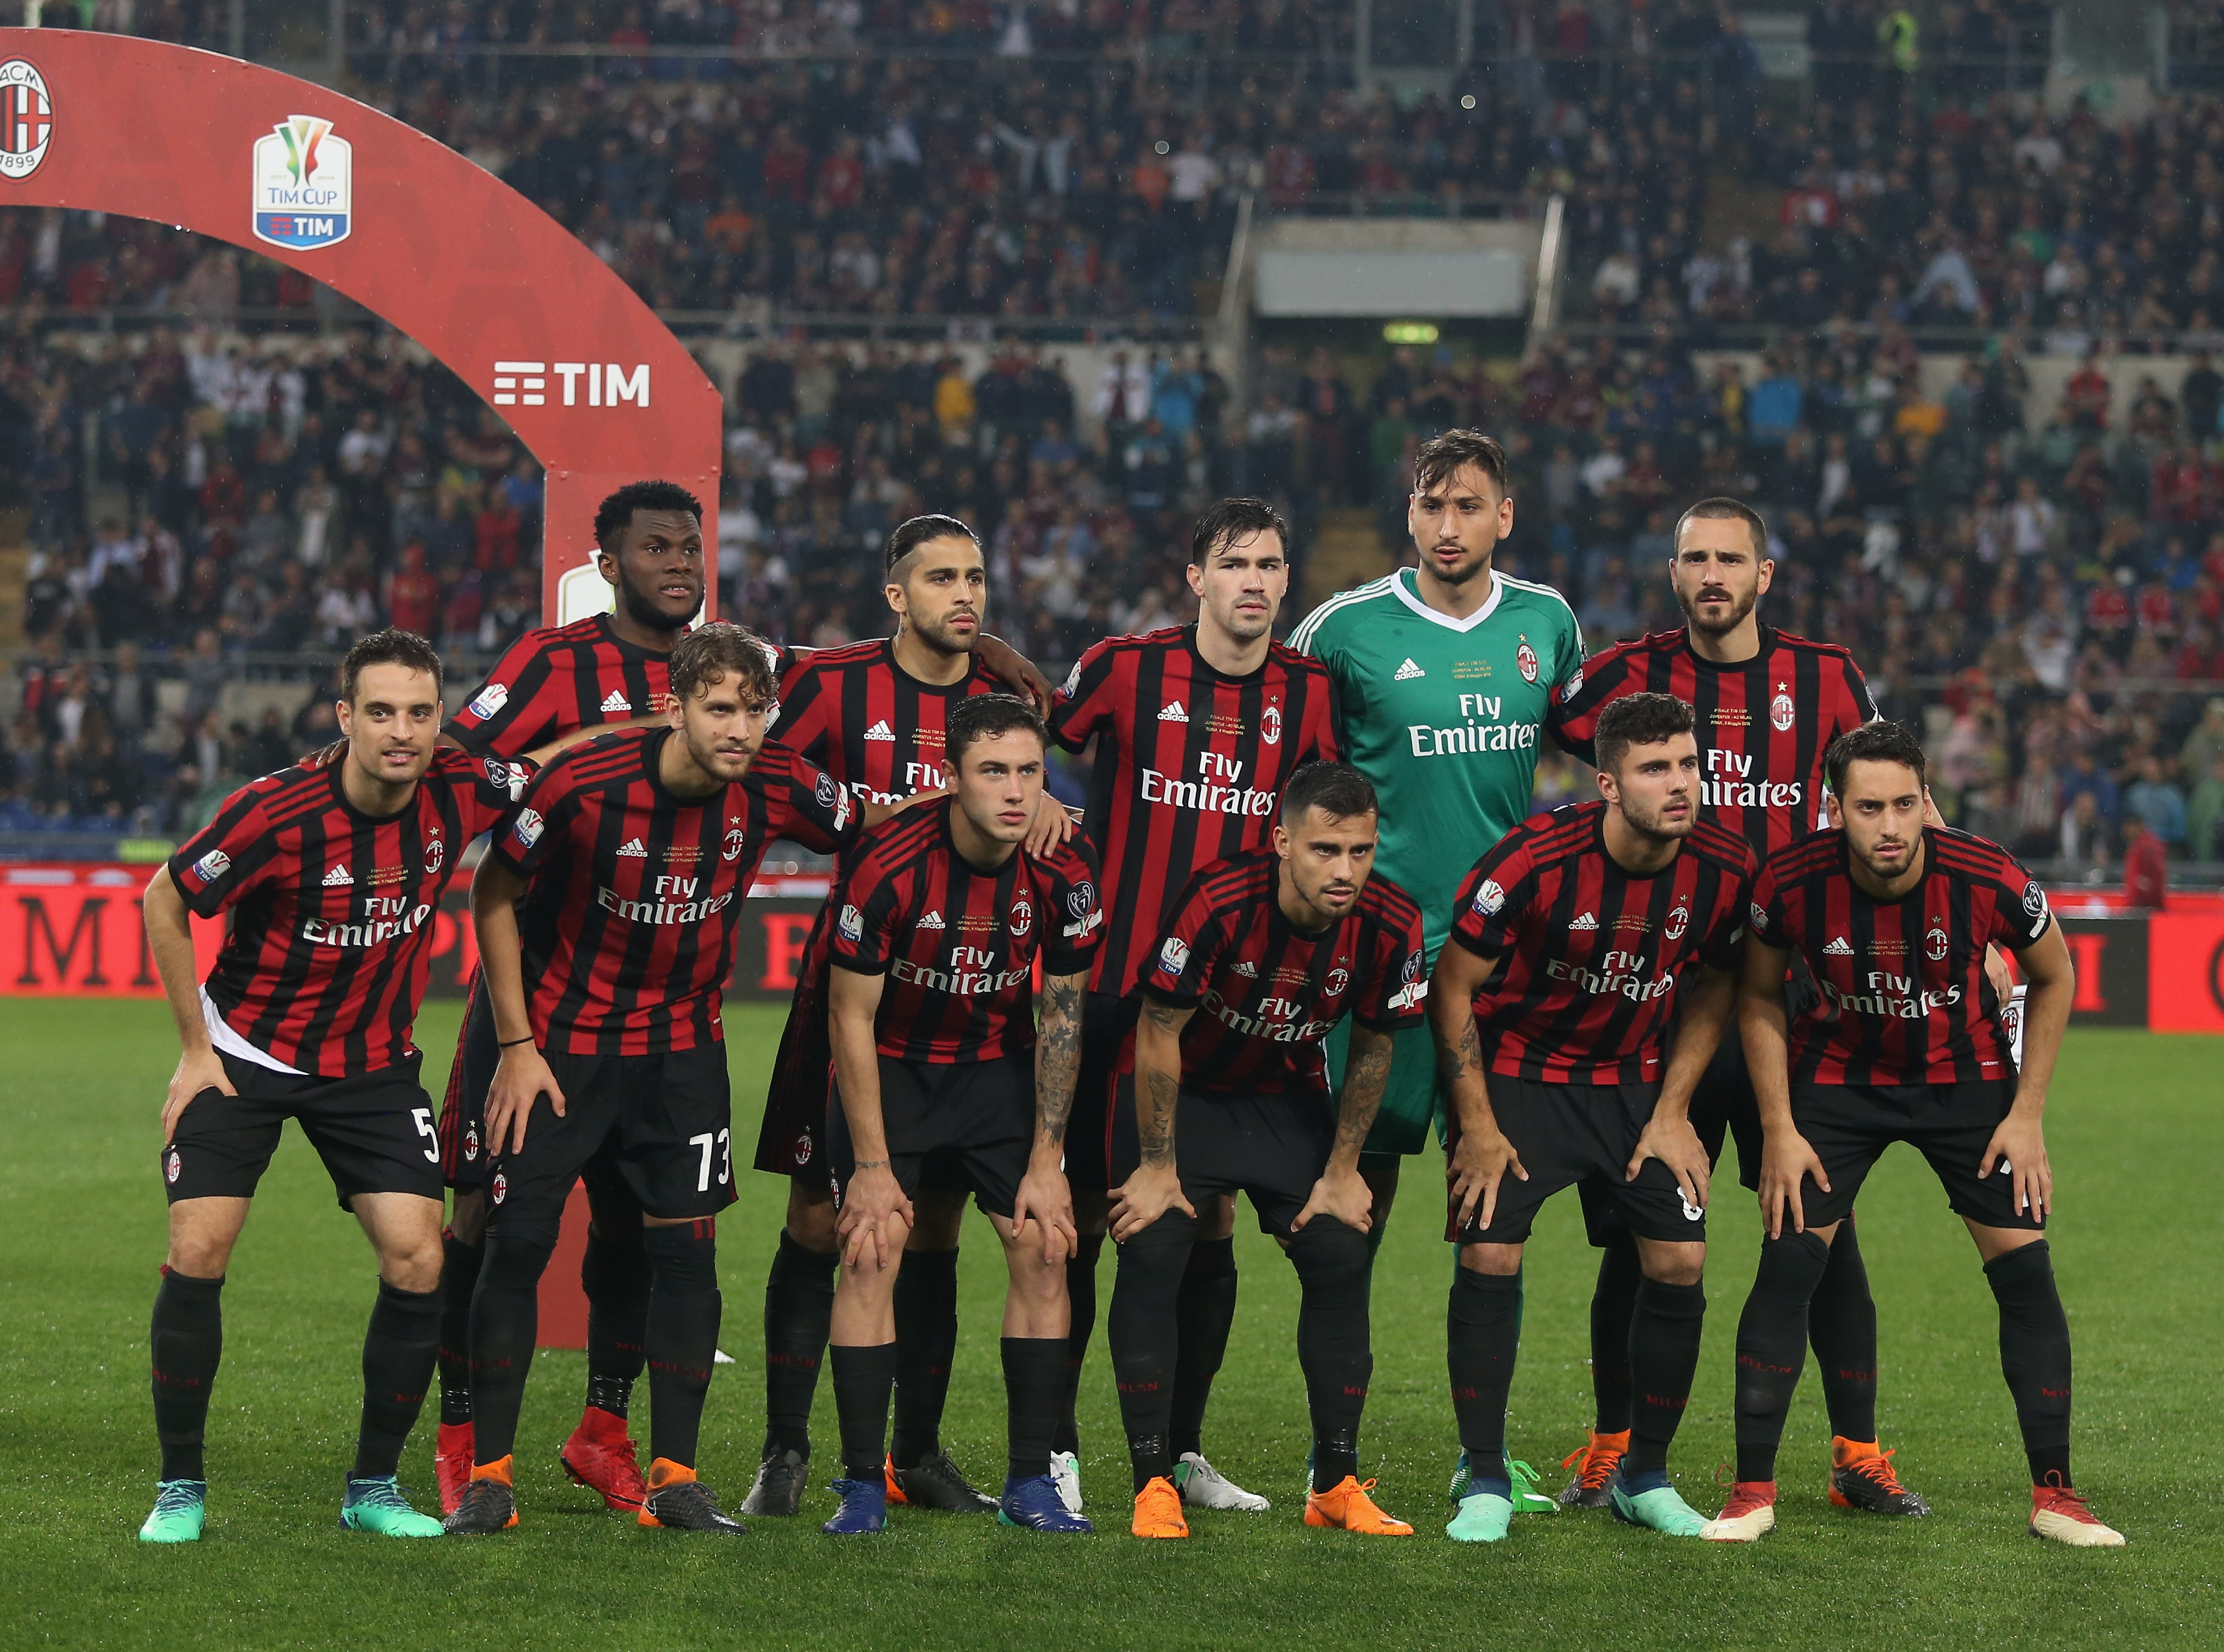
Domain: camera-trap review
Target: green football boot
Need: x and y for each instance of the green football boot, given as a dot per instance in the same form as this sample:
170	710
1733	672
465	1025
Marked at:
1483	1517
1659	1507
1527	1499
180	1508
377	1506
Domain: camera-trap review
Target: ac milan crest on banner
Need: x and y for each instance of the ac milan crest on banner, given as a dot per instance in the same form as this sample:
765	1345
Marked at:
27	119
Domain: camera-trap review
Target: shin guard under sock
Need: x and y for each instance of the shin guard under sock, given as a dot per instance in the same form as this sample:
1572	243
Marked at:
1334	1347
1841	1328
1035	1382
615	1275
1483	1336
1613	1301
1081	1297
1204	1313
459	1280
1664	1356
505	1316
682	1339
1145	1342
400	1351
798	1307
2034	1356
862	1378
1771	1347
186	1338
927	1343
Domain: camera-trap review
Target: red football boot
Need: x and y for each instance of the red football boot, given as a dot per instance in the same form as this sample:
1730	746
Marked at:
601	1456
451	1464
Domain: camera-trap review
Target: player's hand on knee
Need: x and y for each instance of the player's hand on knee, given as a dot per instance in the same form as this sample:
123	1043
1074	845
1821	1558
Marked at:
521	1076
2019	1146
1786	1162
876	1218
1152	1191
1343	1195
1046	1199
196	1073
1677	1146
1477	1165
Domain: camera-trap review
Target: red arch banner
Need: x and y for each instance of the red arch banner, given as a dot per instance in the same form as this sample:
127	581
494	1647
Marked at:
516	307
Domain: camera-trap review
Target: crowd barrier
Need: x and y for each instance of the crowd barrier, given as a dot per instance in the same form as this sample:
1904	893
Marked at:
73	931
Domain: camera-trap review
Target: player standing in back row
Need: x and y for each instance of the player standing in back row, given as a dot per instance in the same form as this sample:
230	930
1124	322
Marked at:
1444	674
1197	729
331	875
1768	704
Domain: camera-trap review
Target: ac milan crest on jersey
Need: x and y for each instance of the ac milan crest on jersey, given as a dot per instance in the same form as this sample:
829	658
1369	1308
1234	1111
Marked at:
1524	661
1190	765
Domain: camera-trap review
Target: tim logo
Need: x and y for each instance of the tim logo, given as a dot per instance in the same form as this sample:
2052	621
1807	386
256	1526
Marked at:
27	119
304	183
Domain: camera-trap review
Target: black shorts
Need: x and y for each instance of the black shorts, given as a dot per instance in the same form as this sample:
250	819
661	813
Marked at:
791	1141
1269	1148
1106	1022
1564	1134
951	1126
374	1132
656	1128
462	1110
1849	1126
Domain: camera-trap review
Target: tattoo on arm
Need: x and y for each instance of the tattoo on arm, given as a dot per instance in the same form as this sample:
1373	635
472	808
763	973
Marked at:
1364	1077
1058	1059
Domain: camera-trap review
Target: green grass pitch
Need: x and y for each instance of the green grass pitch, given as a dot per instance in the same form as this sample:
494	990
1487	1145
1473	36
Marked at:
2132	1133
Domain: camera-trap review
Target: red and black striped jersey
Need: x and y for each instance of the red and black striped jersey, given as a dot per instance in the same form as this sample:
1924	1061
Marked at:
1189	769
555	680
1590	954
1267	992
334	909
634	892
867	721
959	945
1903	995
1763	723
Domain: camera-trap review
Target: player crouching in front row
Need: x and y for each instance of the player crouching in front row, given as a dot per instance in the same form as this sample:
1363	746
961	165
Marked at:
942	1080
1573	936
1227	1092
1902	1043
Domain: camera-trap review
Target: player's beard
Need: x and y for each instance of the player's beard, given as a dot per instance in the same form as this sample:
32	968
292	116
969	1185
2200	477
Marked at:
1656	825
644	612
1740	607
938	635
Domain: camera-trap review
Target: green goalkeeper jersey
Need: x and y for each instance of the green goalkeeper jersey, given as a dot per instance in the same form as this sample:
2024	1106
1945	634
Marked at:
1443	715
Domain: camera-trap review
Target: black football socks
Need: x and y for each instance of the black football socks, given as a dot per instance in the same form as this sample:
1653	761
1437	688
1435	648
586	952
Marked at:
1143	1331
1333	1349
798	1307
186	1339
1612	1302
2034	1356
682	1338
863	1376
1034	1385
505	1319
1841	1328
400	1351
1204	1313
459	1281
1664	1356
1771	1347
1481	1337
927	1343
1081	1297
615	1275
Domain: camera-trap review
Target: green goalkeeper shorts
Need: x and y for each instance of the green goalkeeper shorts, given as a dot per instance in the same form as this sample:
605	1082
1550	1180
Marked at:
1413	1113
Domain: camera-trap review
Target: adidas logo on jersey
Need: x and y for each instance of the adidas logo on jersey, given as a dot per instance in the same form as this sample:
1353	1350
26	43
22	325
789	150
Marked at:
1248	971
615	700
882	731
932	921
1173	713
1841	947
340	877
634	849
1407	673
1585	921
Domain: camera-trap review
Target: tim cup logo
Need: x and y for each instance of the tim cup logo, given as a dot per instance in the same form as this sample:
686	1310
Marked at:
303	184
27	119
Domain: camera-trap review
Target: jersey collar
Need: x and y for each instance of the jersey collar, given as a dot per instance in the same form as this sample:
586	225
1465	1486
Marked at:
1758	660
1400	584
